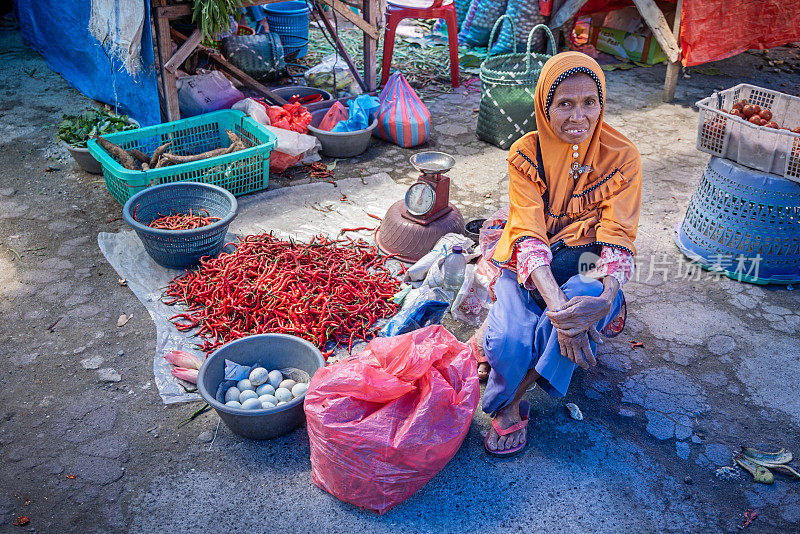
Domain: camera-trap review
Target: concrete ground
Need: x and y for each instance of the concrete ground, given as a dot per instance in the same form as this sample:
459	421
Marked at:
87	446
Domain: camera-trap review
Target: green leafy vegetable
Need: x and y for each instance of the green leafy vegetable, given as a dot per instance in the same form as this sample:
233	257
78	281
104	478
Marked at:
214	16
75	130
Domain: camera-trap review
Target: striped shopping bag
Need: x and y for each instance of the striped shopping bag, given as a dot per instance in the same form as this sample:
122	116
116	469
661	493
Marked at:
402	117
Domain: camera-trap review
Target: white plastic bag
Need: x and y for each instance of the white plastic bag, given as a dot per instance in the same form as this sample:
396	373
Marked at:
254	110
333	75
473	302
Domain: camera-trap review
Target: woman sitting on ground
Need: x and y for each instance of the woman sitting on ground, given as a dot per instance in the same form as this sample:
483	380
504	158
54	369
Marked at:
575	191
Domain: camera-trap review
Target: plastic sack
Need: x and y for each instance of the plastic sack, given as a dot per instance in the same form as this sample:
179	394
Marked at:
481	16
337	113
486	272
331	74
292	148
526	15
383	423
253	109
402	117
421	307
361	112
203	93
473	301
293	117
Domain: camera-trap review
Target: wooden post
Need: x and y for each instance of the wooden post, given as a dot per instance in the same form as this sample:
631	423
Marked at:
567	11
339	46
168	85
370	10
674	68
183	52
654	18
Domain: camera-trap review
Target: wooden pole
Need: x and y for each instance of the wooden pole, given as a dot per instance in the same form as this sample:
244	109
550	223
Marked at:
168	85
674	68
567	11
371	13
654	18
339	46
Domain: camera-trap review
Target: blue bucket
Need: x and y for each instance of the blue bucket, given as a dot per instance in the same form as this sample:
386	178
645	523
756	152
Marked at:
743	223
290	21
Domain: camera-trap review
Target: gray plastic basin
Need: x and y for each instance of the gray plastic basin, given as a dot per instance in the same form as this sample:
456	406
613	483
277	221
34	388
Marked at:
84	159
272	351
340	144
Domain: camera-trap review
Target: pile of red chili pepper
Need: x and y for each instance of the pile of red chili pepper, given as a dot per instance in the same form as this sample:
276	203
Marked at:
182	221
324	290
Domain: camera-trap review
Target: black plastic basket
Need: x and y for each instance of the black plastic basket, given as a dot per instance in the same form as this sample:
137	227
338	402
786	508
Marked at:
178	249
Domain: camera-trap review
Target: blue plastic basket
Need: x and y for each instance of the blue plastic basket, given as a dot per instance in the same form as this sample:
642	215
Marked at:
178	249
743	223
290	21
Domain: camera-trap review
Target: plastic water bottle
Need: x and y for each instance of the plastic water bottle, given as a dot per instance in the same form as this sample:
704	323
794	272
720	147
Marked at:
453	270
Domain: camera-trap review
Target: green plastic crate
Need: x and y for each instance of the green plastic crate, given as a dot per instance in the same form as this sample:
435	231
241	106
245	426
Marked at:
240	172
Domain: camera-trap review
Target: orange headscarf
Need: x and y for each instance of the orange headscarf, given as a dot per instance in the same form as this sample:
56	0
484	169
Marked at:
601	206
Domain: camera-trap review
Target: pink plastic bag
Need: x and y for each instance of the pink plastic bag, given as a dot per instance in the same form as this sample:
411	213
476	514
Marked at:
337	113
384	422
402	117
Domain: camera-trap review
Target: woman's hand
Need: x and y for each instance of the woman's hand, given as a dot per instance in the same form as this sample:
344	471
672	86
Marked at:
576	349
579	314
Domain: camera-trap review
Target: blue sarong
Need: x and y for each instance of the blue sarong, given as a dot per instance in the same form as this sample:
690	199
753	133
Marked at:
520	337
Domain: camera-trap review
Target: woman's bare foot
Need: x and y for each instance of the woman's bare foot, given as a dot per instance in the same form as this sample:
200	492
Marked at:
507	416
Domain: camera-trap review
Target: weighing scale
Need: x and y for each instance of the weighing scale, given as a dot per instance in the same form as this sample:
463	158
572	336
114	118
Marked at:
412	226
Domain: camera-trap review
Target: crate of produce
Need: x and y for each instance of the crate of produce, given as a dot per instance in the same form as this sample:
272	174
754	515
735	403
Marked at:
240	172
764	136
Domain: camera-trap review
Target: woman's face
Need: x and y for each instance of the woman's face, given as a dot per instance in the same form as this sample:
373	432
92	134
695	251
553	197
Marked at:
575	109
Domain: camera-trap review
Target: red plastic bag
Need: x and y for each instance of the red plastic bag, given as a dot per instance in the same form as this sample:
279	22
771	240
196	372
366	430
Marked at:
337	113
384	422
289	117
402	117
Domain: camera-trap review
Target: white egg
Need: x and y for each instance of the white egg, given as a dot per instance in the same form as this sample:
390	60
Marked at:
299	389
283	394
232	394
267	405
247	394
288	384
265	389
268	398
251	404
258	376
281	402
244	385
233	404
275	378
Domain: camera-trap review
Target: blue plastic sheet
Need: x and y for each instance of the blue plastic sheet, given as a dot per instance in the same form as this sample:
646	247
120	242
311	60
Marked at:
425	308
59	32
361	113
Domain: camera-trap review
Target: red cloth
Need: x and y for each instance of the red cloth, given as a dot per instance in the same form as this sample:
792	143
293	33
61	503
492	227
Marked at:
712	30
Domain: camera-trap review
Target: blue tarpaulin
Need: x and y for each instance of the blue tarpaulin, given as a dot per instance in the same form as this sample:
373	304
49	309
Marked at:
59	31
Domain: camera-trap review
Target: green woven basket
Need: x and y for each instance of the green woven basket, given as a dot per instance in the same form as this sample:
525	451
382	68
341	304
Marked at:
508	83
239	172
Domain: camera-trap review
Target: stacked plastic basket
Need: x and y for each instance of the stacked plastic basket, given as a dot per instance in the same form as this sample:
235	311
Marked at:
744	218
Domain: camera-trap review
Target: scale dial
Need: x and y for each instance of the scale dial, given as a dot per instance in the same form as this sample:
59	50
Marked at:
420	199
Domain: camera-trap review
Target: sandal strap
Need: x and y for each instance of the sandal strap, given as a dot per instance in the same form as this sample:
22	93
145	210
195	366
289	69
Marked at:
510	430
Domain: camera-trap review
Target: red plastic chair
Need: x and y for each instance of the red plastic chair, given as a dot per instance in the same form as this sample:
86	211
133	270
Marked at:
398	10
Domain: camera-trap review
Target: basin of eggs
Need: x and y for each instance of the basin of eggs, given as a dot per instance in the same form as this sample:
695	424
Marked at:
263	390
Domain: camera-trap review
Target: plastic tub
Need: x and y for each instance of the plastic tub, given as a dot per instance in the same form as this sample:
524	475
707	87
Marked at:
84	159
340	144
290	21
272	351
178	249
473	228
289	91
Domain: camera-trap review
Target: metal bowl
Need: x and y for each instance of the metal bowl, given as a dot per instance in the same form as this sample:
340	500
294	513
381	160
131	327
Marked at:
432	162
272	351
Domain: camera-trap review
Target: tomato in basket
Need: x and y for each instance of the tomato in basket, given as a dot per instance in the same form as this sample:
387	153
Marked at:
765	114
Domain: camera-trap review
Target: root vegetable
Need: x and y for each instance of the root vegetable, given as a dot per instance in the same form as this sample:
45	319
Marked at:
158	153
118	152
138	155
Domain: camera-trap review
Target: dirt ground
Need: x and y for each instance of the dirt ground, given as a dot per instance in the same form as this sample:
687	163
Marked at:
87	446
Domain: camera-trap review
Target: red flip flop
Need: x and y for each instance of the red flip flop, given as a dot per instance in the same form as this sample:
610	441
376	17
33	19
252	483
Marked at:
524	409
